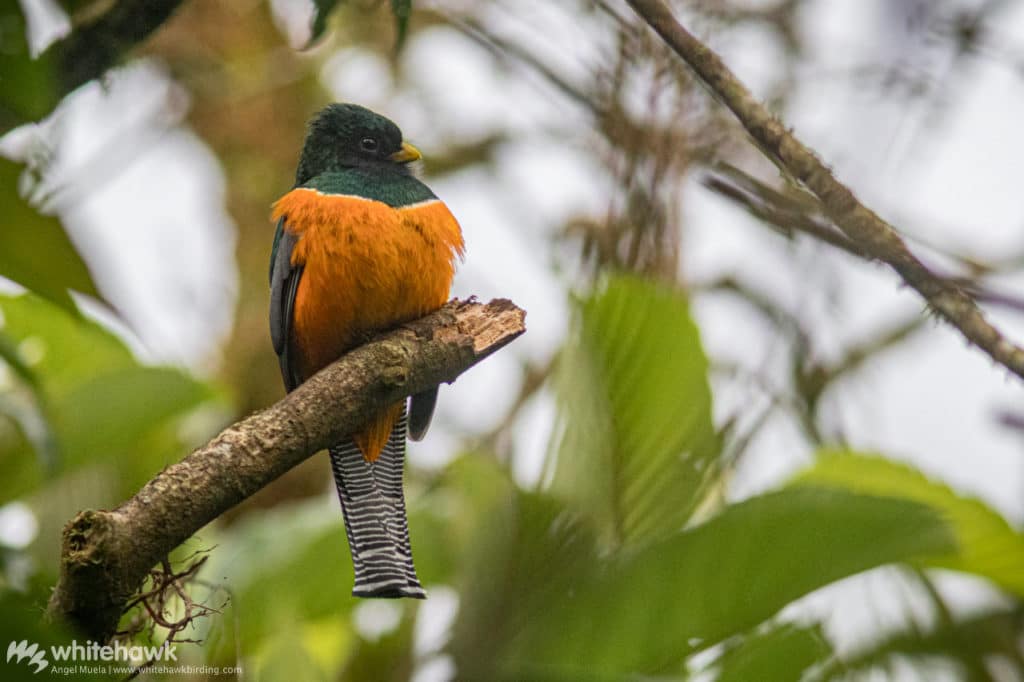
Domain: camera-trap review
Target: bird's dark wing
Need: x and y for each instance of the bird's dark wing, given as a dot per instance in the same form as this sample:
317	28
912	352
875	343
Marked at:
284	282
421	410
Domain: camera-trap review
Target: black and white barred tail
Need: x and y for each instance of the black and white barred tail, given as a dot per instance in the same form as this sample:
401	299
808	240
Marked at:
374	507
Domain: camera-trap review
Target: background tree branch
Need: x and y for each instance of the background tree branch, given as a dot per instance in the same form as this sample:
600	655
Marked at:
35	86
90	50
868	232
789	215
106	554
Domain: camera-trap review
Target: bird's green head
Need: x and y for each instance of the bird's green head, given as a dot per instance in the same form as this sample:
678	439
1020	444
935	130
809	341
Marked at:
344	136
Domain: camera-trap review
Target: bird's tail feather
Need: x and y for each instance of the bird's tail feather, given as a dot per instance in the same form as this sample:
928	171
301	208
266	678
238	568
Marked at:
374	508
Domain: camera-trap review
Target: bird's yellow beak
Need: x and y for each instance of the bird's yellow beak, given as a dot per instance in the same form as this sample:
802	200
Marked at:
406	154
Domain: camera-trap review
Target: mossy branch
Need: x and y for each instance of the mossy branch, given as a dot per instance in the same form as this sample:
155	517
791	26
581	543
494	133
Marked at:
107	554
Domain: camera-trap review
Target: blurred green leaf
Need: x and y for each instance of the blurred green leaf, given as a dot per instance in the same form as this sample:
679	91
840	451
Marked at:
637	439
283	567
35	252
58	350
389	658
103	406
12	358
110	415
781	653
290	569
329	641
401	10
966	643
649	610
33	427
321	12
525	561
285	658
987	545
31	412
23	621
432	544
62	350
28	88
473	488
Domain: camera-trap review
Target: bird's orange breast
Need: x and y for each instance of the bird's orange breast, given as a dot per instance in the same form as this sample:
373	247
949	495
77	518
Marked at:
366	267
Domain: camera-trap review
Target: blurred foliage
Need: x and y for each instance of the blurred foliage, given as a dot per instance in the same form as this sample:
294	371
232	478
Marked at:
987	545
782	652
322	9
35	251
708	583
965	642
636	462
27	86
98	404
626	561
21	622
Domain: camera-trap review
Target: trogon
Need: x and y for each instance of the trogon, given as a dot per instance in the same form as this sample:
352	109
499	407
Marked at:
361	246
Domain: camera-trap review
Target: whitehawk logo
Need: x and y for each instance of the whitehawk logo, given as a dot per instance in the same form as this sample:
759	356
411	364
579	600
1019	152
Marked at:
36	656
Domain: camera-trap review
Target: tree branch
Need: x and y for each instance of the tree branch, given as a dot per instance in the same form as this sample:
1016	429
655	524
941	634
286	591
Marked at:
788	214
89	51
107	554
876	238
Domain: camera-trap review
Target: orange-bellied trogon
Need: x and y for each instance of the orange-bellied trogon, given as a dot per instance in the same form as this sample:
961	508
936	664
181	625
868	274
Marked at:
361	246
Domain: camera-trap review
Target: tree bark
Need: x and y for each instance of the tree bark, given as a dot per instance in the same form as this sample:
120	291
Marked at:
107	554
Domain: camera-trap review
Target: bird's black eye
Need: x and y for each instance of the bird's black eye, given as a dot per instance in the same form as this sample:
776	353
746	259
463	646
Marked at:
368	144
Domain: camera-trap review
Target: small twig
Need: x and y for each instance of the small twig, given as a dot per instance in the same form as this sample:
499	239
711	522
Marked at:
1011	420
166	584
784	214
788	215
